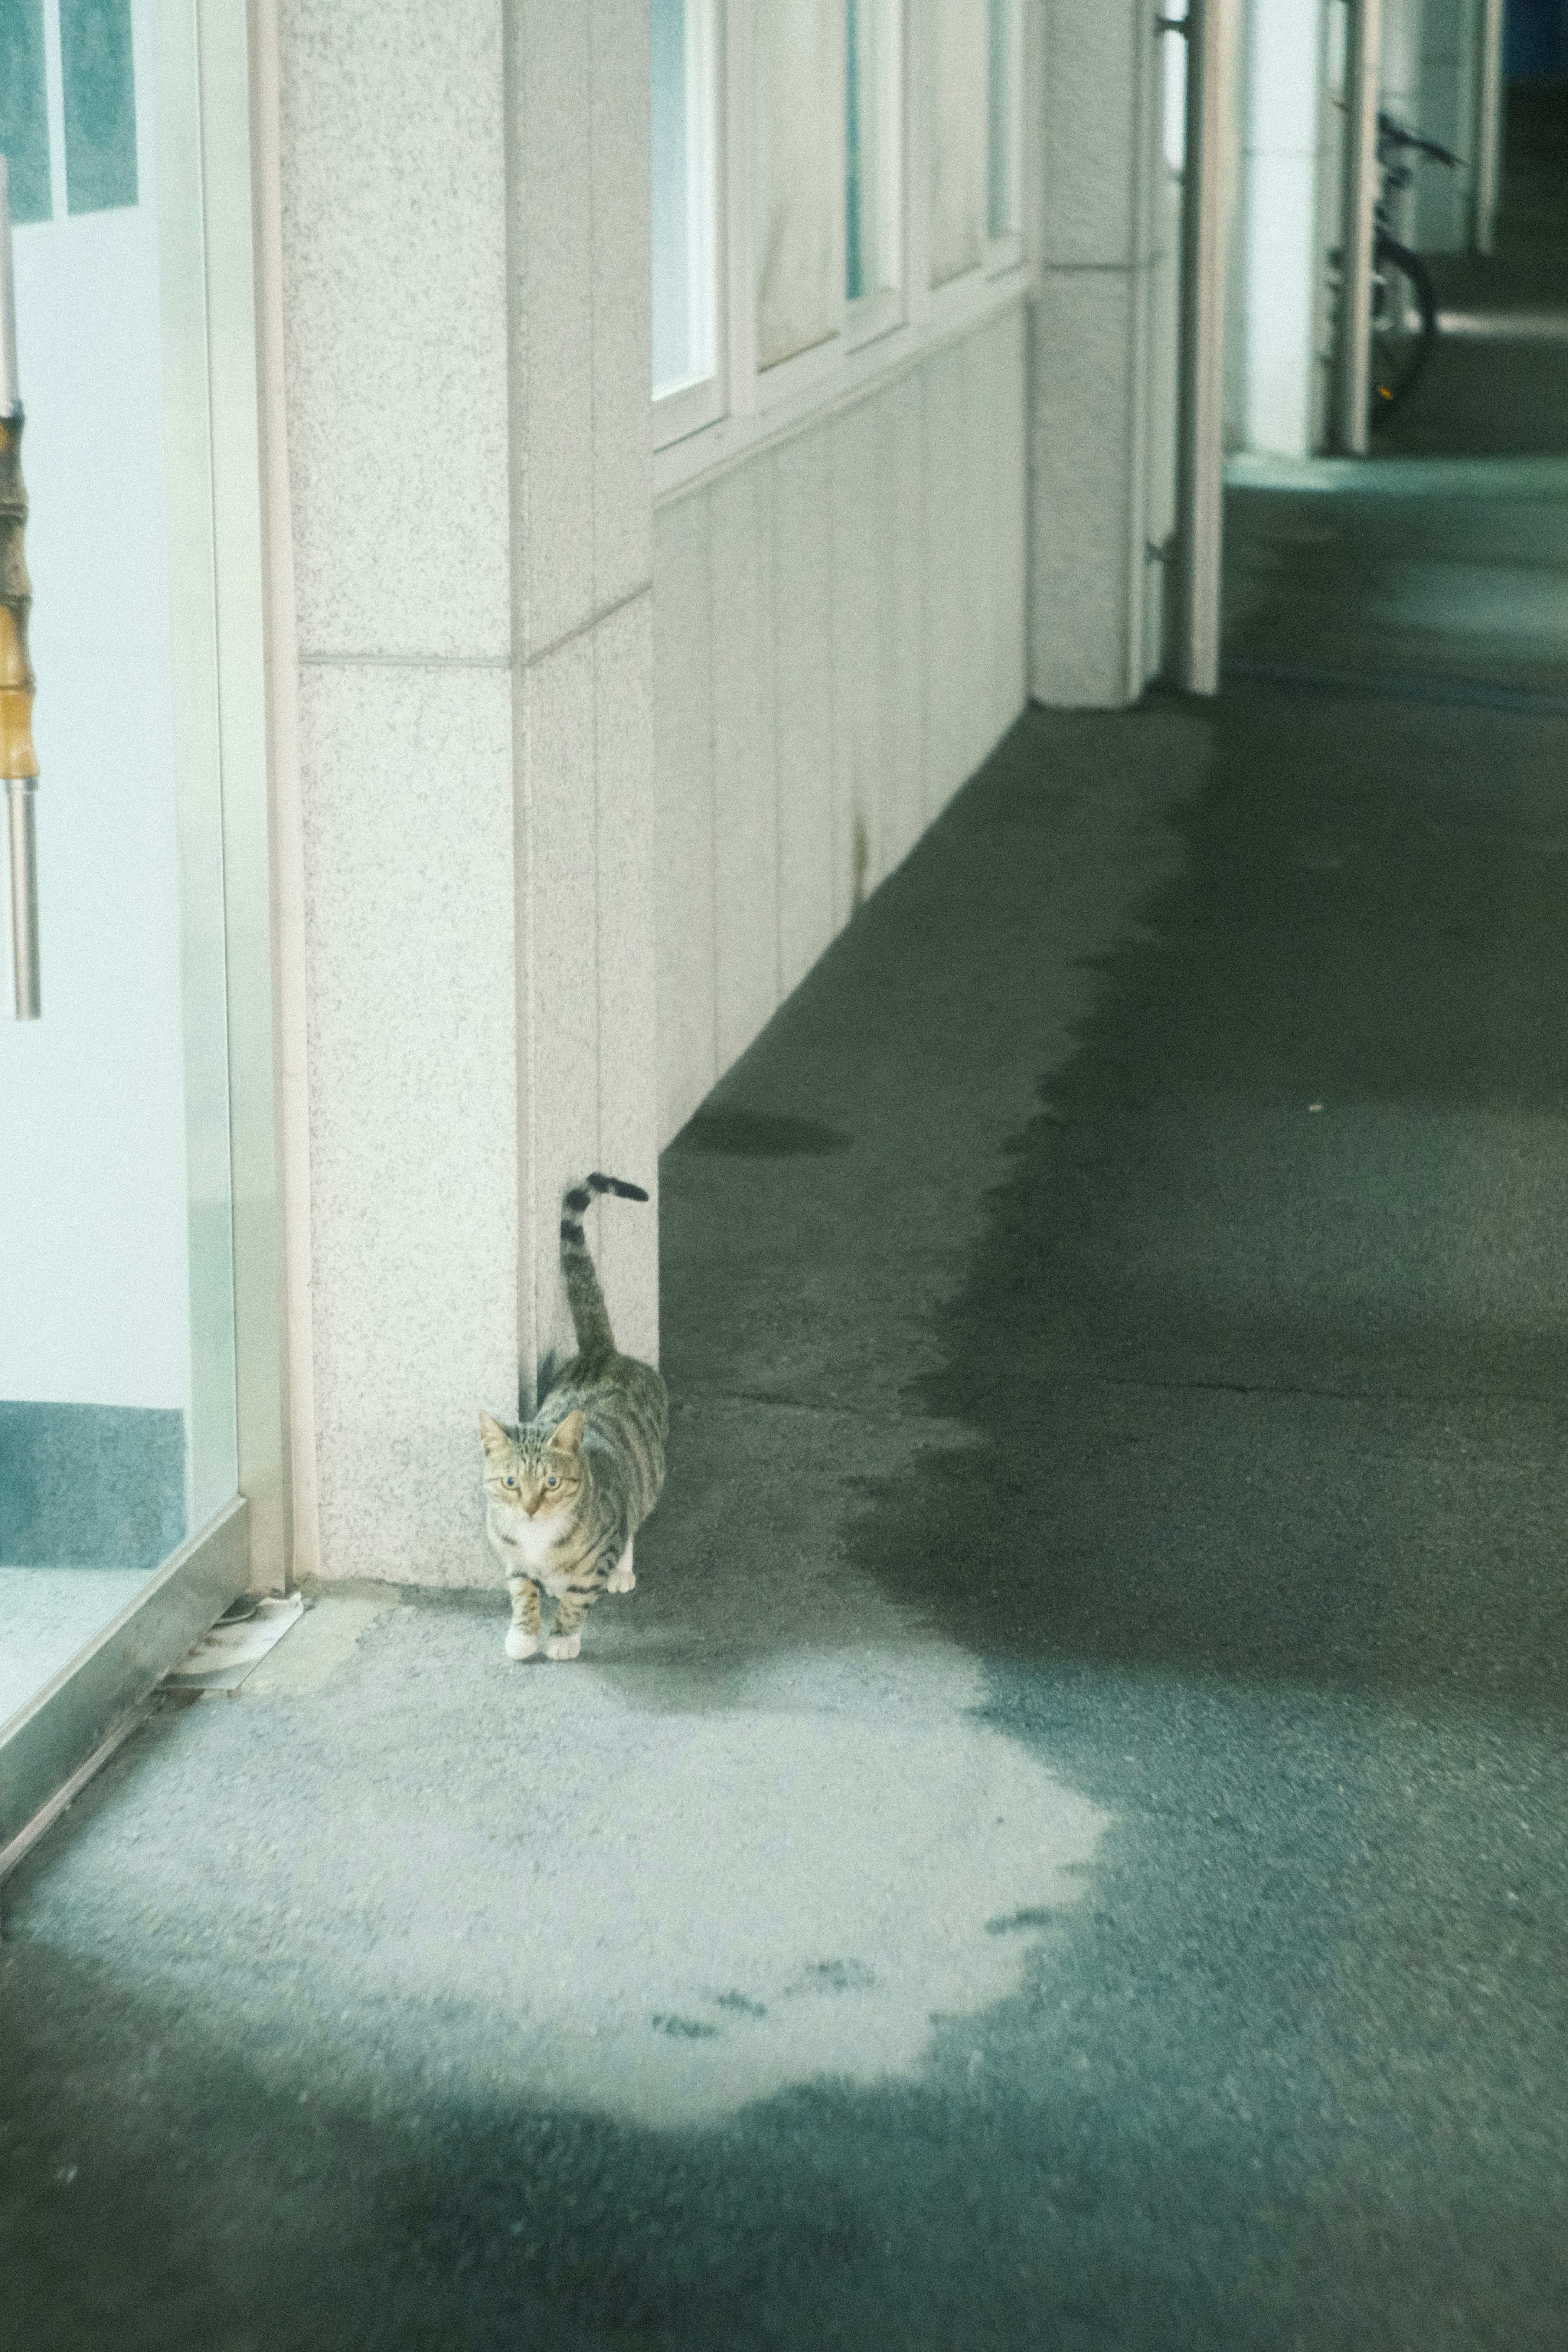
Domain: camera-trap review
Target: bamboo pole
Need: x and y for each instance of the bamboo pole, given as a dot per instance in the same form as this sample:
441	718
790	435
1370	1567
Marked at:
18	759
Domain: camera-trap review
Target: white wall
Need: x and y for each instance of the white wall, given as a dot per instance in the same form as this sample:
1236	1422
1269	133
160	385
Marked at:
840	627
465	298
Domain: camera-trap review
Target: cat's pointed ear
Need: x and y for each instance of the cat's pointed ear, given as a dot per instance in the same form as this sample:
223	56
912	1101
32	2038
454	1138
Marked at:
568	1438
493	1437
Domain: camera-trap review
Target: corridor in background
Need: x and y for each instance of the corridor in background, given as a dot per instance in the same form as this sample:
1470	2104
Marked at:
1440	562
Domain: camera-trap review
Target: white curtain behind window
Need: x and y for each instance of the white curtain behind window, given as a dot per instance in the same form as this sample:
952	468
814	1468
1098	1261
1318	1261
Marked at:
959	116
799	65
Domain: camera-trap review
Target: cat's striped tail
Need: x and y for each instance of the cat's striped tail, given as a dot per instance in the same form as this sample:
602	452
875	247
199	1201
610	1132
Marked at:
590	1315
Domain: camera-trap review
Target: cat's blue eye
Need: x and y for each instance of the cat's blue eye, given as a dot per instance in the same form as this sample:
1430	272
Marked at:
511	1481
552	1482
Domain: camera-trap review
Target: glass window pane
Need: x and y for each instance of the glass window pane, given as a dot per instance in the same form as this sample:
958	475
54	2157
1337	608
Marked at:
872	81
117	1331
1003	194
99	104
685	309
24	109
799	174
959	114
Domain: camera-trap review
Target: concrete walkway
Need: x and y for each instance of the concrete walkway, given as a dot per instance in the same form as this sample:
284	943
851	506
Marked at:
1067	1844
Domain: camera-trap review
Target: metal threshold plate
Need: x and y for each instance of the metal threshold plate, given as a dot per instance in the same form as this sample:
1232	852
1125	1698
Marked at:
221	1660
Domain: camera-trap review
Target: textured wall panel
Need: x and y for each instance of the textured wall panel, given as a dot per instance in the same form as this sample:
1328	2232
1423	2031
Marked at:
413	1118
852	650
628	1044
903	786
684	813
563	917
803	642
745	761
396	326
855	462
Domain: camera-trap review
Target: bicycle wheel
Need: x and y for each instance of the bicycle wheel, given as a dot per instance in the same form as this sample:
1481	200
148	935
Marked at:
1404	324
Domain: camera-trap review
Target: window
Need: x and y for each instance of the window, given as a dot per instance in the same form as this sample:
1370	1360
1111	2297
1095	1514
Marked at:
873	162
849	172
683	93
1005	94
957	114
798	172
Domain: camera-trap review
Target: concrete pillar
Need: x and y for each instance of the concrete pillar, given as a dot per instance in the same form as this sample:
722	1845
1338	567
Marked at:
1275	362
583	651
1090	605
1449	111
465	292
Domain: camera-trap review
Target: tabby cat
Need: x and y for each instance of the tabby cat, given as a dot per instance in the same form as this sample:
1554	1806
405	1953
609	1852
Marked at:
566	1496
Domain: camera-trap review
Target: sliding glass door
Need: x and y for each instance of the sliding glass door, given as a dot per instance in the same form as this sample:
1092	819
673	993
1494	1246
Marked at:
118	1446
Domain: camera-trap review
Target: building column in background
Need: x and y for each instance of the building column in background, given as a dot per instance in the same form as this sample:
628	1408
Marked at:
1448	109
1097	375
1275	368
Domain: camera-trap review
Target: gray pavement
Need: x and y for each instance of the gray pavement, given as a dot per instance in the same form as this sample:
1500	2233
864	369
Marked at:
1065	1843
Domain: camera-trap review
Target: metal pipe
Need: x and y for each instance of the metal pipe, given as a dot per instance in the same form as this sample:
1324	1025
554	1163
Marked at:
1490	104
18	760
1363	64
21	813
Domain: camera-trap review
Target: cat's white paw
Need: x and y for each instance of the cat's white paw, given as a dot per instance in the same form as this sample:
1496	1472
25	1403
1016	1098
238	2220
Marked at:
563	1645
621	1580
520	1645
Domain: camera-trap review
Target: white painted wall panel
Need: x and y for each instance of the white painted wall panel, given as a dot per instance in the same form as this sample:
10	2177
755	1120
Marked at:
562	1109
840	617
745	841
903	797
684	828
977	697
855	457
1012	516
627	1045
802	638
950	681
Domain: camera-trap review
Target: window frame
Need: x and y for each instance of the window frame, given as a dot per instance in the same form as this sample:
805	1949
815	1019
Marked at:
744	406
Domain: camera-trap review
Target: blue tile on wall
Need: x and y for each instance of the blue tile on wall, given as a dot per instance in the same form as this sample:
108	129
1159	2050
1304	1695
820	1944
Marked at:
99	104
24	109
91	1486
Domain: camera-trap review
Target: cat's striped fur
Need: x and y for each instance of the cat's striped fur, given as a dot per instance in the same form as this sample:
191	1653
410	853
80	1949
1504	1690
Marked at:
566	1494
